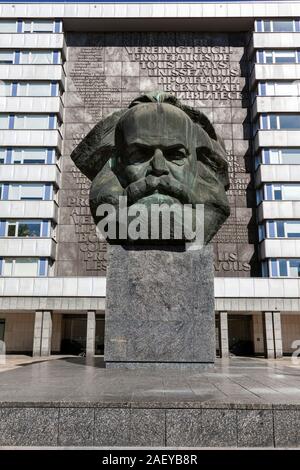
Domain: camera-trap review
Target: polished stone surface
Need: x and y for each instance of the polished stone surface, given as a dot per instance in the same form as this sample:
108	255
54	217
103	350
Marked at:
159	307
74	402
258	382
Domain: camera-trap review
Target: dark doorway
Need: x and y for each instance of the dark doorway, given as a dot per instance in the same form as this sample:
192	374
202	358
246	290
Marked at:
2	329
240	335
73	334
99	339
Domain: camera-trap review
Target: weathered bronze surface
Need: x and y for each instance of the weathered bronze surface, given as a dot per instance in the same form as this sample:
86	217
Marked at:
157	151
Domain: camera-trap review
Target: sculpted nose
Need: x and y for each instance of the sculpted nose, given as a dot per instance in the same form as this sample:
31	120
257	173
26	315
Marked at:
158	163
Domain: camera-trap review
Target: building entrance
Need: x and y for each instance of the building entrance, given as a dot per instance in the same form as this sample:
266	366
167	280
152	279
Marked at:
74	329
2	329
240	335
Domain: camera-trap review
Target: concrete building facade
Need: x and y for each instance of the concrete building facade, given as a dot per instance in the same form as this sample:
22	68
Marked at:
63	66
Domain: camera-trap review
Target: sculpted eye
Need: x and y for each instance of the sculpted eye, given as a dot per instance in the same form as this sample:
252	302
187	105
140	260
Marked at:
210	159
177	155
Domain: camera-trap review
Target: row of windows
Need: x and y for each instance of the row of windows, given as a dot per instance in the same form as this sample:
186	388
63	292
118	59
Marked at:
28	121
278	56
30	57
26	191
29	88
277	121
281	268
278	192
279	229
280	88
30	26
27	156
277	26
25	228
28	267
284	156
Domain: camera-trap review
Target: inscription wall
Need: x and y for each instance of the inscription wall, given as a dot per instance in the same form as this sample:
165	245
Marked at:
105	72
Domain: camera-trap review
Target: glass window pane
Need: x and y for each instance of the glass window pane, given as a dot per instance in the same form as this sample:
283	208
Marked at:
34	156
292	229
14	192
26	267
37	121
19	121
7	271
273	121
280	229
4	121
32	191
27	26
282	267
284	57
289	121
283	26
22	89
291	156
11	230
39	89
6	57
286	89
5	88
291	192
42	26
274	157
8	26
267	26
294	268
29	229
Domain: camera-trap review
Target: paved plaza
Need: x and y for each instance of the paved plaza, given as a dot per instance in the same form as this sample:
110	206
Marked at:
75	379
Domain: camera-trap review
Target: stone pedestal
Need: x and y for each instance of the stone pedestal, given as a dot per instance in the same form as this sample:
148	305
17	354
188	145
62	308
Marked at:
159	308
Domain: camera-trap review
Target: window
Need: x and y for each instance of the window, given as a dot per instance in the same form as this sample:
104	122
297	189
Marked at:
5	88
27	191
8	26
25	228
281	192
4	121
28	156
38	26
283	88
277	57
288	156
277	26
32	121
284	267
280	121
26	267
2	156
39	57
283	229
35	89
7	57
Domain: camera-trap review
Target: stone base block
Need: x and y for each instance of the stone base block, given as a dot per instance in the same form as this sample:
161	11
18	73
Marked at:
159	307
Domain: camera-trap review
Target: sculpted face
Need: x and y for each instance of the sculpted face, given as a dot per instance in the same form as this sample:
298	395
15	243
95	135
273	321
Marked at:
155	155
157	152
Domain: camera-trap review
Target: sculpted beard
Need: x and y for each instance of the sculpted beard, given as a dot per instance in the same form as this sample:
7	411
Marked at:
164	184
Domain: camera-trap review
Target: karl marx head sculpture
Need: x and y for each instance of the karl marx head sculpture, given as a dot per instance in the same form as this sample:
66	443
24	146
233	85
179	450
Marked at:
157	151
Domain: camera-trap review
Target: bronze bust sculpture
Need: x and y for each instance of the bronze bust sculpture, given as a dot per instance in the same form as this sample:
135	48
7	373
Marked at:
157	151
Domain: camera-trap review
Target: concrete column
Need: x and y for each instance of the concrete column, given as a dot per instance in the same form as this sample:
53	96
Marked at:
277	334
269	335
37	333
90	334
46	334
224	349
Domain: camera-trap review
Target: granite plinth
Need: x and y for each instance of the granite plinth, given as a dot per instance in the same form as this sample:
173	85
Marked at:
240	403
159	307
